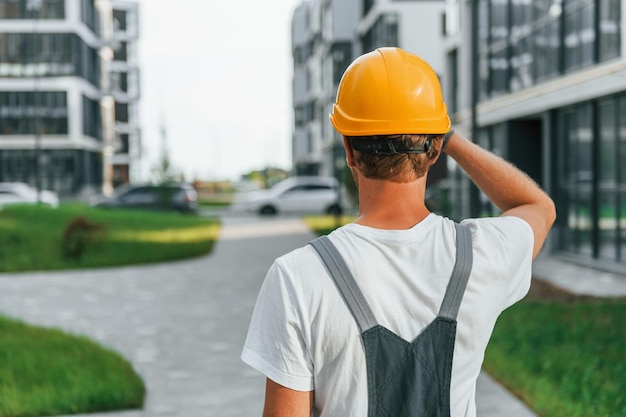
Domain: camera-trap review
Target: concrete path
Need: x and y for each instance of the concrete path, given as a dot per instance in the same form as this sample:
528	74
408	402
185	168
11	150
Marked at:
183	324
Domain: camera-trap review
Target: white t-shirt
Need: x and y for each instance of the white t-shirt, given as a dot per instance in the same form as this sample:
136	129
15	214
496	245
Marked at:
302	335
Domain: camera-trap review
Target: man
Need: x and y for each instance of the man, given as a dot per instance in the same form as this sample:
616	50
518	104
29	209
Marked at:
305	335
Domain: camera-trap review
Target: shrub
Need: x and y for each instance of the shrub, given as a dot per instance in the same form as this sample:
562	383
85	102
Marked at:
81	234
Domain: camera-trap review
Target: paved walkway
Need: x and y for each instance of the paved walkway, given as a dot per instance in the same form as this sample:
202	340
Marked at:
183	324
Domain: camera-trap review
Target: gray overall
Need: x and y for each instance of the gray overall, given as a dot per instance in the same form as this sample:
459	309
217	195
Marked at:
405	379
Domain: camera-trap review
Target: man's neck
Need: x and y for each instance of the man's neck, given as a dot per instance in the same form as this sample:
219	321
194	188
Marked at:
390	205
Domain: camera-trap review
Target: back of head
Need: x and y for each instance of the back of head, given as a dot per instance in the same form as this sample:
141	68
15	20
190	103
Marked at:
390	107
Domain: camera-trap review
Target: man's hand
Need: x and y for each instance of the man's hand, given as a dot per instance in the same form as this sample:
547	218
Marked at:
284	402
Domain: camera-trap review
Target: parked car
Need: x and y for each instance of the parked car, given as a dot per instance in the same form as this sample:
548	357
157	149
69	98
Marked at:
181	197
299	194
22	193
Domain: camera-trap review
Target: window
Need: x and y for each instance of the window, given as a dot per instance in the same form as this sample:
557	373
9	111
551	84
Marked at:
24	9
63	53
575	180
89	15
92	119
499	70
547	48
121	175
609	27
298	56
124	144
621	179
590	181
121	112
309	111
121	53
341	57
367	5
119	19
119	81
522	42
384	32
452	94
123	81
86	61
608	196
498	47
54	9
27	113
483	49
452	17
299	116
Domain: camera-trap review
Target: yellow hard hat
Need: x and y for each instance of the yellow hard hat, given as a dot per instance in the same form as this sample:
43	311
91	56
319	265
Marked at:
389	91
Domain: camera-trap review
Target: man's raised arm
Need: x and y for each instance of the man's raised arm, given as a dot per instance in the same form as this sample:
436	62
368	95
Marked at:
510	189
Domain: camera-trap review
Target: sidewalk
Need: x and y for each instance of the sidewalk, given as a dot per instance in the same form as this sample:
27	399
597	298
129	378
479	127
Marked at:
182	324
579	279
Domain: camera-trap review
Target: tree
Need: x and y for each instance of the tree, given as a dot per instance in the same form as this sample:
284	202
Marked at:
163	171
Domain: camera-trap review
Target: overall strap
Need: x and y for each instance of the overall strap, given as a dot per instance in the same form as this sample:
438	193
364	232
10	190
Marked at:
460	275
345	282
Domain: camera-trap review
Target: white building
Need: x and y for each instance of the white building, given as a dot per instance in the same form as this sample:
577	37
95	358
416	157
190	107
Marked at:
56	110
323	45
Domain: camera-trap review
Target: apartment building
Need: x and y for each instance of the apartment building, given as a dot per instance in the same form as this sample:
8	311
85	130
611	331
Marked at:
323	46
543	83
124	88
56	106
327	35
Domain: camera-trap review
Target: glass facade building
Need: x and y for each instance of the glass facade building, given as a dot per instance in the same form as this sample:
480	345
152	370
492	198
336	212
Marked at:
548	100
522	43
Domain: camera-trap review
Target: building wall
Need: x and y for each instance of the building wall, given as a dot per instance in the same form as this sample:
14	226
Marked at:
419	28
124	87
322	40
551	80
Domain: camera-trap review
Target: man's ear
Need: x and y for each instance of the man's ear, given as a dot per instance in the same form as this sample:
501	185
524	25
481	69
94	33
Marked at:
349	152
438	143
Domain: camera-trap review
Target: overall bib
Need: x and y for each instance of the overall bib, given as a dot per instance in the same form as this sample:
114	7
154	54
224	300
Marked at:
405	379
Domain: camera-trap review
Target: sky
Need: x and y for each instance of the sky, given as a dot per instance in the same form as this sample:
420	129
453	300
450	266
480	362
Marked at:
216	74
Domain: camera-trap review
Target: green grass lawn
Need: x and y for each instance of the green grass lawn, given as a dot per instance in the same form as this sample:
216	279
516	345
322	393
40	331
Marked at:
563	359
31	237
47	372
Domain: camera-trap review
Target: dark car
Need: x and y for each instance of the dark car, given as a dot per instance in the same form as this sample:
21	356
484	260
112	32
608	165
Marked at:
170	197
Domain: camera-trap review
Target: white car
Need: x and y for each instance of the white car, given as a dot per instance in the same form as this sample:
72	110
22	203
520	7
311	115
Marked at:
300	194
21	193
